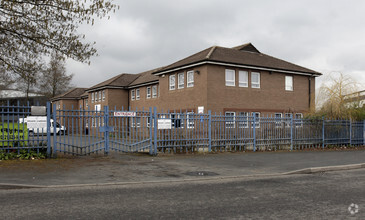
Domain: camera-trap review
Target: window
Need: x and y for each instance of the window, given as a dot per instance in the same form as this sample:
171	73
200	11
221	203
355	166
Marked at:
257	116
103	95
180	80
298	121
148	92
137	94
154	91
243	79
92	97
133	94
278	117
255	80
136	122
230	77
190	79
97	108
288	83
190	120
288	119
86	103
99	96
149	122
243	120
172	82
230	118
176	121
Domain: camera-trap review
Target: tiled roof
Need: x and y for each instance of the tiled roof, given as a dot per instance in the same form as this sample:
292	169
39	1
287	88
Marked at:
70	94
145	77
245	54
121	80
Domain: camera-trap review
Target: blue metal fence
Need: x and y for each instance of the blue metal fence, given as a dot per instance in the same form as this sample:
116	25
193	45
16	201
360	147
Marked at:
102	131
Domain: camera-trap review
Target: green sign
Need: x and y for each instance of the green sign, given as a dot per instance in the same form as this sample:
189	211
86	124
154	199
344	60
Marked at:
13	134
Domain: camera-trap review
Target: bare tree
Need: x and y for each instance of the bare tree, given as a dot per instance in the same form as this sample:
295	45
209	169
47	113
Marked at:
31	29
27	78
6	79
54	80
336	97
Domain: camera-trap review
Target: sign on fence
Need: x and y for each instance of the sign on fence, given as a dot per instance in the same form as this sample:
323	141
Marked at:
164	123
124	114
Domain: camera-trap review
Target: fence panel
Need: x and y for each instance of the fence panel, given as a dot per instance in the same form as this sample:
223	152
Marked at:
103	130
182	132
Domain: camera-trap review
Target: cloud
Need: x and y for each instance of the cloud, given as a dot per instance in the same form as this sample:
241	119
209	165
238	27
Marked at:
321	35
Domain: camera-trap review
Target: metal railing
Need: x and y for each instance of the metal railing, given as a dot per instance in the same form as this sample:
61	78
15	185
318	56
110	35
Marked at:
89	131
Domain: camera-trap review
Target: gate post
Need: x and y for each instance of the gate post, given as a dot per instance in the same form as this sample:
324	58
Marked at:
254	132
106	132
151	127
48	129
291	132
54	148
323	139
155	130
210	131
350	131
363	133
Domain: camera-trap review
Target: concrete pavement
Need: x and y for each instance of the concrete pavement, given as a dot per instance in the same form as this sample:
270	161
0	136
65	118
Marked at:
125	168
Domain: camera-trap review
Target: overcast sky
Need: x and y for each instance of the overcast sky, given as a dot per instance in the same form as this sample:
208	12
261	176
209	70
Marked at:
326	36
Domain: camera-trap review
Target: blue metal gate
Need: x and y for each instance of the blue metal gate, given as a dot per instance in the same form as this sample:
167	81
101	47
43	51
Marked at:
102	131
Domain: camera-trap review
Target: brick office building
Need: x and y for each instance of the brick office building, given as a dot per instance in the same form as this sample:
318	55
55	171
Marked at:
231	81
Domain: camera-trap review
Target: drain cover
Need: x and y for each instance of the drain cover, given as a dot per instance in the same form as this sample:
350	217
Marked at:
201	173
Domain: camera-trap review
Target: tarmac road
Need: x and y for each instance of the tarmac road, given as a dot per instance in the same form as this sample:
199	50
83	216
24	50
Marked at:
315	196
121	168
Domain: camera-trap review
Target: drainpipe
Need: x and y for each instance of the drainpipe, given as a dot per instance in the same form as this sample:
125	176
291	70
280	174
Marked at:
310	91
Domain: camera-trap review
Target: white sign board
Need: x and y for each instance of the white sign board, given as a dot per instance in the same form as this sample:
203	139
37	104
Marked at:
124	114
201	110
97	107
163	123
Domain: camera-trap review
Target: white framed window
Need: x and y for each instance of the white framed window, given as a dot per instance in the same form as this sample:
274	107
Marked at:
172	82
97	107
257	116
99	96
298	119
190	123
86	103
149	122
103	95
230	119
255	80
190	79
288	119
154	91
148	95
180	80
137	94
92	97
288	83
230	77
133	94
278	117
135	122
87	123
243	120
243	79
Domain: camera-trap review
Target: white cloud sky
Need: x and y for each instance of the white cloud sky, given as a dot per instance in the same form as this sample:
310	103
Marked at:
325	36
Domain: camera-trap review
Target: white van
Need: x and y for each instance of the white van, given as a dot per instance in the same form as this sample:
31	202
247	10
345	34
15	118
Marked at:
38	125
